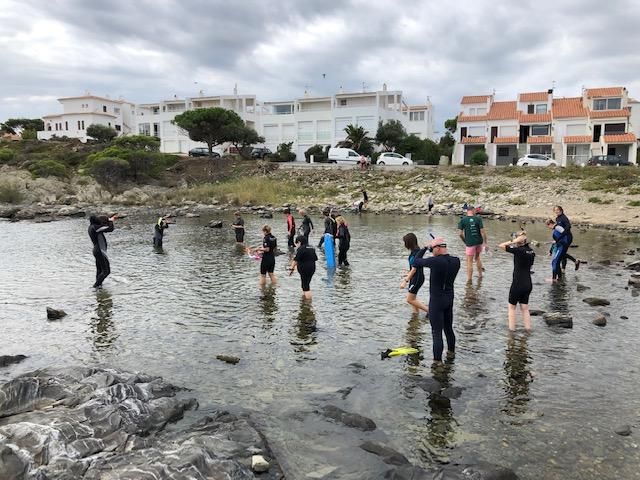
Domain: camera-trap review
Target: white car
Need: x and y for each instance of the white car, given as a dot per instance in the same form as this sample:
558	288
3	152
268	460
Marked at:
536	160
391	158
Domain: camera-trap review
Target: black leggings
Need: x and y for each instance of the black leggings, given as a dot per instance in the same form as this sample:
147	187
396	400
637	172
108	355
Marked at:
306	275
103	269
342	256
441	318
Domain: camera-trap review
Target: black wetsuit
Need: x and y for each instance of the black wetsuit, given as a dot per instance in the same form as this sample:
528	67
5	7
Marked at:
523	258
344	242
444	269
306	264
158	233
239	229
418	278
268	263
96	234
564	222
291	230
306	227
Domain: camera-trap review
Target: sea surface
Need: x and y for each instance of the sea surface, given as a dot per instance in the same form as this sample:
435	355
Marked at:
545	404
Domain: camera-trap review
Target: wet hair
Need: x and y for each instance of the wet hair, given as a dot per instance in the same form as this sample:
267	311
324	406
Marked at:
559	208
98	219
93	220
326	211
287	211
237	214
410	241
266	228
550	221
302	240
340	219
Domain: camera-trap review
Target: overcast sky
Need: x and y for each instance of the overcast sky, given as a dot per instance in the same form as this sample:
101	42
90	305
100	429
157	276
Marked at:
148	50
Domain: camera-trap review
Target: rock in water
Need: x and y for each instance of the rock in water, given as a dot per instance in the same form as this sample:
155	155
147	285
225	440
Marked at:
388	455
596	302
635	266
558	319
623	430
352	420
634	281
6	360
581	288
259	464
54	314
192	215
228	359
215	224
536	313
600	320
95	423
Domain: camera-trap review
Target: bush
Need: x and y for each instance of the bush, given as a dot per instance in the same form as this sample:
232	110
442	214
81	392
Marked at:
479	158
48	168
283	154
517	201
101	133
138	142
498	189
10	193
316	150
6	155
634	203
29	135
109	171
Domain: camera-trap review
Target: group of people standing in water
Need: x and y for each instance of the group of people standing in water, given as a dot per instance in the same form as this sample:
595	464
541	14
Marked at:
443	267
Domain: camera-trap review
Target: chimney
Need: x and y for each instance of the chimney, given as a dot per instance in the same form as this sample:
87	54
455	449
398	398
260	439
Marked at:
235	89
340	90
384	87
550	91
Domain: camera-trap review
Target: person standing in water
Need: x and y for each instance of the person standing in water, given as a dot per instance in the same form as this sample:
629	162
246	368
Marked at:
523	258
444	269
471	231
558	248
563	221
305	262
344	240
307	225
329	226
158	231
430	203
291	228
268	262
238	227
415	277
98	226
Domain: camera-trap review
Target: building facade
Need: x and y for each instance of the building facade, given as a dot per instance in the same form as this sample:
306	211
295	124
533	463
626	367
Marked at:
80	112
602	121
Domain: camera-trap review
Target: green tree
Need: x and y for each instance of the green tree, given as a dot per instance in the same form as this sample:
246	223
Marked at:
424	151
479	157
242	137
138	142
446	144
315	150
101	133
283	153
390	134
208	125
358	139
15	125
451	124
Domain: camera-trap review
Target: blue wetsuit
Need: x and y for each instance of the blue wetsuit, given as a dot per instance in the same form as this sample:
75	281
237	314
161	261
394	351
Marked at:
444	269
561	247
418	278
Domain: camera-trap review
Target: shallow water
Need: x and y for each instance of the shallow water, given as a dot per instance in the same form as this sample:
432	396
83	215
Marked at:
545	405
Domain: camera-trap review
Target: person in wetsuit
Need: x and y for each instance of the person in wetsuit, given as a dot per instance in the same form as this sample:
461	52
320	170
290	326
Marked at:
268	262
305	262
238	227
158	232
329	226
415	277
563	221
344	240
307	225
444	269
558	249
291	228
523	258
98	226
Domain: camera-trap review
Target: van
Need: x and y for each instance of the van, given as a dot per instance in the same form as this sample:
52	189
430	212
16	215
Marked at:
343	155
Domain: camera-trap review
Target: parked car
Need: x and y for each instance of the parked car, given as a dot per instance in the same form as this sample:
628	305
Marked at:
202	152
536	160
610	160
343	155
260	152
391	158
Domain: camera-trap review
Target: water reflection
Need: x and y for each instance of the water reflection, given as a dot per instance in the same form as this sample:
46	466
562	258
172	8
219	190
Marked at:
102	327
413	337
305	327
474	306
517	375
559	297
268	305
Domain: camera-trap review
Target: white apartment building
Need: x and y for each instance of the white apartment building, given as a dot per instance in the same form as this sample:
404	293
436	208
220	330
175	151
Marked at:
599	122
80	112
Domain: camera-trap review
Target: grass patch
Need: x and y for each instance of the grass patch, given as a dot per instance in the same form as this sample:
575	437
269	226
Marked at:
10	193
600	201
517	201
634	203
498	189
253	190
633	191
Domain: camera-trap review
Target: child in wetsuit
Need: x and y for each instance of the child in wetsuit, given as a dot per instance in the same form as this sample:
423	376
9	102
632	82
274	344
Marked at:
415	277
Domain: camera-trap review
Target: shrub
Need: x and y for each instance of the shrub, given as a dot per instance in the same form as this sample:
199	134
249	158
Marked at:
48	168
10	193
6	155
109	171
498	189
29	135
517	201
479	157
315	150
138	142
101	133
283	154
634	203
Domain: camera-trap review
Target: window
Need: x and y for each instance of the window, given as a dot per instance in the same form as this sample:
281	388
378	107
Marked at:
577	154
541	150
530	108
109	123
503	151
481	111
539	129
541	108
66	125
607	104
144	129
343	102
104	108
156	110
79	125
118	128
283	109
476	131
116	110
49	126
614	128
472	111
577	129
156	130
82	125
416	116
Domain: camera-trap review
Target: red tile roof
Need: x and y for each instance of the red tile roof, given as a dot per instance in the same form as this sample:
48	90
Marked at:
568	108
503	111
620	138
604	92
509	140
577	139
476	140
533	97
609	113
540	139
471	118
475	99
535	117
